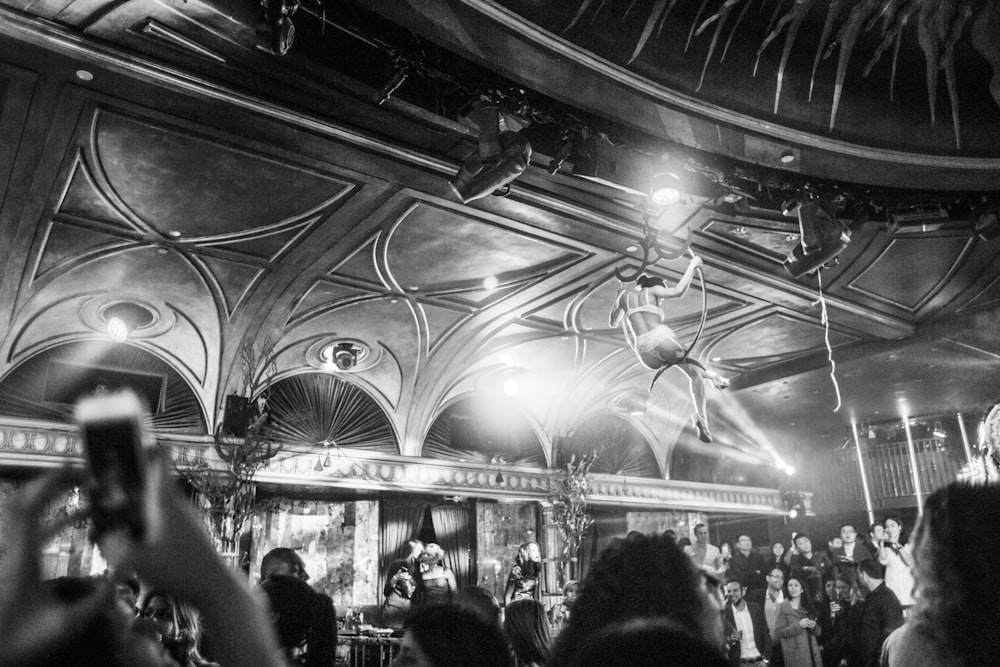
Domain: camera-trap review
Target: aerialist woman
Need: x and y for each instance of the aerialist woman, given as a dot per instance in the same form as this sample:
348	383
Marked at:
641	317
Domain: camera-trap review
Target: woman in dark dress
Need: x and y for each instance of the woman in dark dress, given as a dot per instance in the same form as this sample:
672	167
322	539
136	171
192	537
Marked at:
523	581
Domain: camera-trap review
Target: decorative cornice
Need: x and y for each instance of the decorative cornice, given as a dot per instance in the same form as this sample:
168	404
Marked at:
26	444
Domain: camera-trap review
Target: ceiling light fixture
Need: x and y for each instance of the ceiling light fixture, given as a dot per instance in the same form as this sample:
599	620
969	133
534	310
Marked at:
124	317
823	237
490	283
501	157
787	157
939	431
665	189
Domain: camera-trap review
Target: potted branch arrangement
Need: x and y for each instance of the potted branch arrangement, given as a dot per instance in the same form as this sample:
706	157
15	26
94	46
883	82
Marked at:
568	495
243	447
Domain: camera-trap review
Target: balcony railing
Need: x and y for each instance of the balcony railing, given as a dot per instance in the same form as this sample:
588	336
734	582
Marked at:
890	478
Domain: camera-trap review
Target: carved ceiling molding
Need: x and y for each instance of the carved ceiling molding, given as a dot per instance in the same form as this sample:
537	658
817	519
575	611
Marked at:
25	444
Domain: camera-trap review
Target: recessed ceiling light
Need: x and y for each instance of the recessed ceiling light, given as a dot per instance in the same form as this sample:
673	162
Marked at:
631	248
84	75
716	358
490	282
787	157
174	233
413	288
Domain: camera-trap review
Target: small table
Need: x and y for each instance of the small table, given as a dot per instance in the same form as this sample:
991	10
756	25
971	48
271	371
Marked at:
366	650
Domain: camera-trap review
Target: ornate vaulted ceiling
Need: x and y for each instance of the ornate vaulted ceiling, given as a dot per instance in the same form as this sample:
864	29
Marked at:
152	152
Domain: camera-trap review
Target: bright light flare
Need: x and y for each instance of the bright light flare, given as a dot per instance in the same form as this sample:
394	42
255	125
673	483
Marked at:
511	387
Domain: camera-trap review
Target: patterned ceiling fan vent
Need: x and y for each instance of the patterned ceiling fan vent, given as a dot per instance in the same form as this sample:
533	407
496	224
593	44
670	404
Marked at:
47	385
479	431
321	409
622	449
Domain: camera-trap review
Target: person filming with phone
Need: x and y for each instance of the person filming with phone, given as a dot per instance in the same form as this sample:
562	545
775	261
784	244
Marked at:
141	524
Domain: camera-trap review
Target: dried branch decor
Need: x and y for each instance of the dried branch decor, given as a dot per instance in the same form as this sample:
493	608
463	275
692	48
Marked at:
568	495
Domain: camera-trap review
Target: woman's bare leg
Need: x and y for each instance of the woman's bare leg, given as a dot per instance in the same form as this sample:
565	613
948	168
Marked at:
696	382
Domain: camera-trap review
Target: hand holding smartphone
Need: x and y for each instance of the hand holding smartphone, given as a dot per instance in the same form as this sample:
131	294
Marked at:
116	448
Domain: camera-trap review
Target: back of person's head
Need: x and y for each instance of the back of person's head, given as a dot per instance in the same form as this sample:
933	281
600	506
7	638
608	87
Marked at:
454	636
281	560
291	603
647	577
871	567
479	599
527	628
650	642
646	280
955	547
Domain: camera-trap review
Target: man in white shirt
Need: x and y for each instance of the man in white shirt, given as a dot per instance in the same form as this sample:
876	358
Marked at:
747	636
705	555
770	598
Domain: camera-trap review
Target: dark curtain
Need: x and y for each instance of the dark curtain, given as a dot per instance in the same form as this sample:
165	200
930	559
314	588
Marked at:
607	526
400	521
452	526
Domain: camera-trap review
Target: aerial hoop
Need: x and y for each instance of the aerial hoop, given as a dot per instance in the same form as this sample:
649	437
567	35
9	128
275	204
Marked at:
694	341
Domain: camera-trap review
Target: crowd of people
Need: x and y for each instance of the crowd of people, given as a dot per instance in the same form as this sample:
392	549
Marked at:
647	600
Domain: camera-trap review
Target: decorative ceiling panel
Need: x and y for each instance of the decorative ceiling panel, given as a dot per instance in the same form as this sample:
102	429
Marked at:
179	181
910	271
84	200
986	298
440	322
772	244
772	336
433	247
234	278
324	294
360	265
67	244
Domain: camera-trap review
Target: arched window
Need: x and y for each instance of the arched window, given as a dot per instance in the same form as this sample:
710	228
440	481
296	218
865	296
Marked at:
480	430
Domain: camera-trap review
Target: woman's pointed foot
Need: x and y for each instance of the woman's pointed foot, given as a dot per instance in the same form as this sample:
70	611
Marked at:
703	433
720	382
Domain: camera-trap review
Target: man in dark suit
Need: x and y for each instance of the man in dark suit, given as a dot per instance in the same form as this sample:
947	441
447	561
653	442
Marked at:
847	557
881	613
747	565
747	638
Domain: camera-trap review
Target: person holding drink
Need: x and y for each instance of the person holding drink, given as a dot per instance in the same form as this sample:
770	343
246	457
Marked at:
797	628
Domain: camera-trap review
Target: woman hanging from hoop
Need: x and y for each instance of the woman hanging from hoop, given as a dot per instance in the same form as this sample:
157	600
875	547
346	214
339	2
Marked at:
641	317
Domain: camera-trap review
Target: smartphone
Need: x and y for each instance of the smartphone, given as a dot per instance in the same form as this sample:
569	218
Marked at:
115	446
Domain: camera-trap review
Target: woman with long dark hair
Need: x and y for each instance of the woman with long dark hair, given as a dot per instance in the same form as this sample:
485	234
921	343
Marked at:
639	311
894	553
957	612
796	627
524	578
527	628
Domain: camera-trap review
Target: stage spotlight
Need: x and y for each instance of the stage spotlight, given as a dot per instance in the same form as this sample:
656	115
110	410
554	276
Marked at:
822	238
795	504
789	470
277	33
665	189
501	157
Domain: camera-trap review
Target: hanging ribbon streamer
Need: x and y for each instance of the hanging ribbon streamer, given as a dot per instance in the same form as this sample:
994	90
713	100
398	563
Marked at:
825	319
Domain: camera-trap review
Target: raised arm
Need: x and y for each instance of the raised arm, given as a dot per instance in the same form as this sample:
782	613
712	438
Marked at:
678	290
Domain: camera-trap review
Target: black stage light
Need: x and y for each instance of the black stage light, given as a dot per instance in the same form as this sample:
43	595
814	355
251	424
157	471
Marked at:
502	156
823	237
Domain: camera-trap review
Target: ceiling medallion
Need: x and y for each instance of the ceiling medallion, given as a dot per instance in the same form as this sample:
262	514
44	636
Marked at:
125	318
342	355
